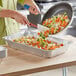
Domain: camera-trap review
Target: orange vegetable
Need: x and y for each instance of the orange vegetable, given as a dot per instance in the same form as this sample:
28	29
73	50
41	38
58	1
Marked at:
52	30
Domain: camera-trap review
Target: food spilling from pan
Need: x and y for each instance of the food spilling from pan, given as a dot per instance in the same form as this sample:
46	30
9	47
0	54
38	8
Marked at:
56	23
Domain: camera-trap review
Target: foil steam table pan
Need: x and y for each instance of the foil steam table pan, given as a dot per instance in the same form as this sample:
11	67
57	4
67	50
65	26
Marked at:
3	52
36	51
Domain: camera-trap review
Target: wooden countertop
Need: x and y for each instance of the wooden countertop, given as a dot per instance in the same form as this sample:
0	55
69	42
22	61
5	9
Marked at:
18	63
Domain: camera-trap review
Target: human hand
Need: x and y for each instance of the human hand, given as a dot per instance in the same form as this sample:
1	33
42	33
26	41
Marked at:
33	8
20	18
14	15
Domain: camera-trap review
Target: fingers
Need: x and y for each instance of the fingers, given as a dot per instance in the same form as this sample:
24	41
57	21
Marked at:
20	18
16	16
26	21
34	10
19	21
23	20
37	9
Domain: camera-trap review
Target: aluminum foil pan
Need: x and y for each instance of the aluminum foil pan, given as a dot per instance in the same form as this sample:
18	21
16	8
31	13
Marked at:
3	52
36	51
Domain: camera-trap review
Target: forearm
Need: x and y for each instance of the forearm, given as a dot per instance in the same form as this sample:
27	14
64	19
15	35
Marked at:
31	2
14	15
6	13
25	1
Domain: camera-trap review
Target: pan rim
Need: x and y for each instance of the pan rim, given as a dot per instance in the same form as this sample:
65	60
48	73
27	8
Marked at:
56	4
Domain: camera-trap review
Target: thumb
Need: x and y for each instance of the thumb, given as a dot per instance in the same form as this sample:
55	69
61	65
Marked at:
26	21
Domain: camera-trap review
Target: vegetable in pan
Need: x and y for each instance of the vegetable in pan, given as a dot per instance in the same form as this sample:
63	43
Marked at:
38	43
56	23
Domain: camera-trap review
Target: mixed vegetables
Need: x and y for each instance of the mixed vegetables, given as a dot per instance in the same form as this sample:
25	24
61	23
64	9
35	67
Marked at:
43	34
56	23
38	42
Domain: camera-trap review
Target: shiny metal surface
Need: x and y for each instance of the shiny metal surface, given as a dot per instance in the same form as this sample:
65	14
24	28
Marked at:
60	8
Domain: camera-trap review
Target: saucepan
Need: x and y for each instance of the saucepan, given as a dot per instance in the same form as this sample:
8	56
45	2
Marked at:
60	8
